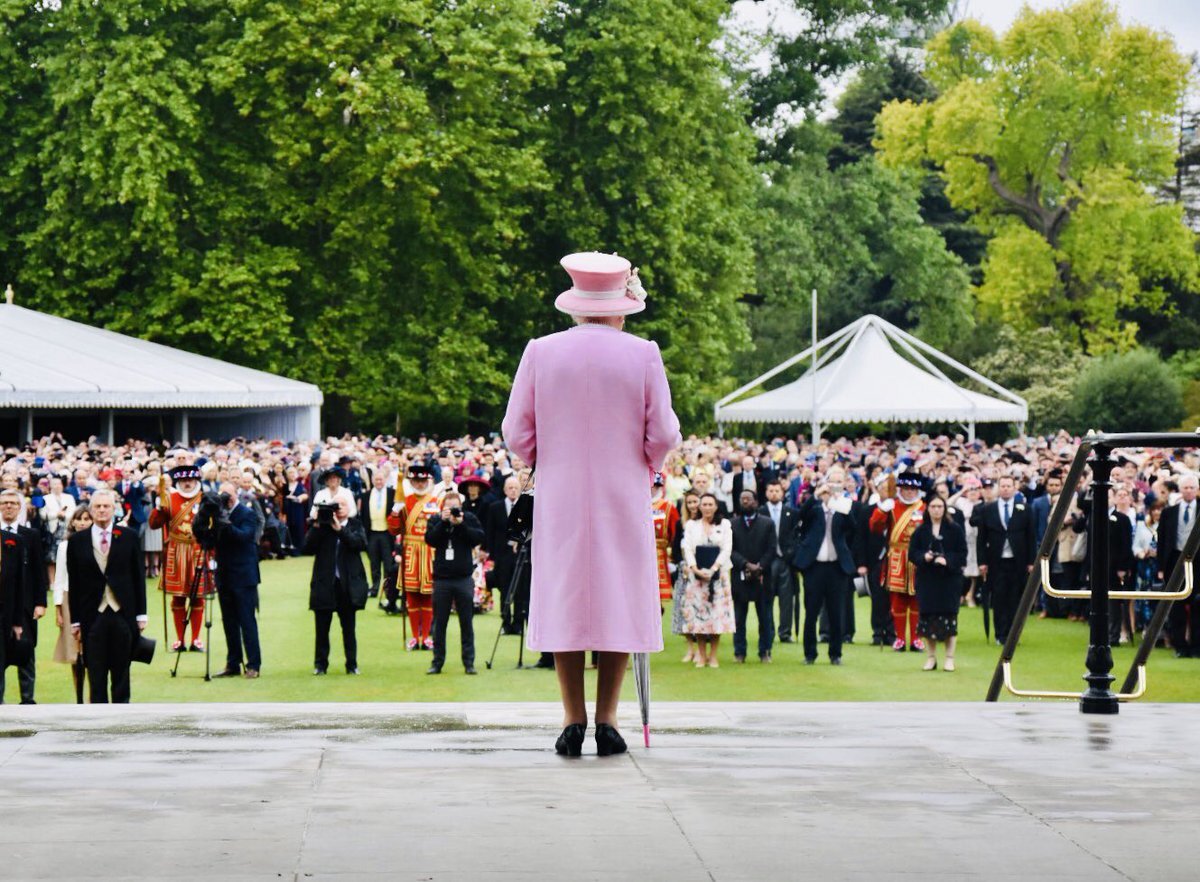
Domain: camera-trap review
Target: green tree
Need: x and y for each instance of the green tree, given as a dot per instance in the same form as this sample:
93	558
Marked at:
855	235
1128	392
1055	137
651	156
1041	367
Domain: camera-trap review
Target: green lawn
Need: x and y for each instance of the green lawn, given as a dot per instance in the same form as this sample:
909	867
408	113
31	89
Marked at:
1051	657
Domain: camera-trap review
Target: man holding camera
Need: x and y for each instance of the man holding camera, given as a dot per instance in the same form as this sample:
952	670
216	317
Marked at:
453	535
237	585
339	580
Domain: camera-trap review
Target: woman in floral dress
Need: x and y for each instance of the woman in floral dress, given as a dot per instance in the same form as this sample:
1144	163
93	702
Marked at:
707	596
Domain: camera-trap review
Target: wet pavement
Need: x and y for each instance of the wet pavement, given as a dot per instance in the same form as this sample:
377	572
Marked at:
750	791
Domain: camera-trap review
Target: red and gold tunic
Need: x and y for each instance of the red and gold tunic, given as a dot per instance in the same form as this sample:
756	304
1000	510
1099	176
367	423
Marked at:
181	552
899	524
411	522
666	523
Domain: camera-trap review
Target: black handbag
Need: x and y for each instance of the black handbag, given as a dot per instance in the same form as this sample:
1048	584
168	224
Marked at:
706	558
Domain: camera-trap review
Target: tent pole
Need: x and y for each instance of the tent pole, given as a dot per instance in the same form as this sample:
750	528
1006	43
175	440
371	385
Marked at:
815	422
109	427
971	432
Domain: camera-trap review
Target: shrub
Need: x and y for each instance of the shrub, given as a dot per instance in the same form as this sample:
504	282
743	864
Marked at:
1131	392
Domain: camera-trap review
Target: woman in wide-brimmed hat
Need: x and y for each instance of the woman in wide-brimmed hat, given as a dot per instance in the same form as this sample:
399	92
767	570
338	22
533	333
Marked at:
591	409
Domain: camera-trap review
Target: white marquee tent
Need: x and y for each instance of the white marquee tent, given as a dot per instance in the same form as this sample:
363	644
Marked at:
863	376
57	371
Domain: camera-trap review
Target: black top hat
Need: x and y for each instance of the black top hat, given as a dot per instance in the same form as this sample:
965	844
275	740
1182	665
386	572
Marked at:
185	473
18	651
335	472
910	479
143	649
420	470
658	479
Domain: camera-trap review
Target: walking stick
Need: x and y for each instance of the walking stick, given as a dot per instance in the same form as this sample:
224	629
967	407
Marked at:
78	672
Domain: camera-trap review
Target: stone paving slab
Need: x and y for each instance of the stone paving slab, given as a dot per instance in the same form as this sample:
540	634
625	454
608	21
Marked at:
749	791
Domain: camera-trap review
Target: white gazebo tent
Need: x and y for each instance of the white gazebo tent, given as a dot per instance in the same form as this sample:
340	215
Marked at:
872	372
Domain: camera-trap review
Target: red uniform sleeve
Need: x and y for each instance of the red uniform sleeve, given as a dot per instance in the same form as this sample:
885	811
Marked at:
879	521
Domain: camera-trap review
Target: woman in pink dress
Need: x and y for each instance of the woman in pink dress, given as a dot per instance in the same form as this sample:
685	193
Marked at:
590	409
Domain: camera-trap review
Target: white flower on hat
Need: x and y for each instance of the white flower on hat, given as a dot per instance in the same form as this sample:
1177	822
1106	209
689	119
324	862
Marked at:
633	287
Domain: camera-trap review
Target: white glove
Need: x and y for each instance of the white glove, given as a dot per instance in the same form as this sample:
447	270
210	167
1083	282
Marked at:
887	505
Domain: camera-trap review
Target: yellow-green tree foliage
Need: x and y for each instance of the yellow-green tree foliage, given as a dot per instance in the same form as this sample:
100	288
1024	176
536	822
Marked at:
1055	135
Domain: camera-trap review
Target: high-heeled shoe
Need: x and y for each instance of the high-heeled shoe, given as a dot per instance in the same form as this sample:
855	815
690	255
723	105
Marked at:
930	664
570	742
608	740
949	665
688	656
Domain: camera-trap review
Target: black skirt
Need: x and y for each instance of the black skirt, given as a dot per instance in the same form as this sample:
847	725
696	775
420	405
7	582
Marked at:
937	626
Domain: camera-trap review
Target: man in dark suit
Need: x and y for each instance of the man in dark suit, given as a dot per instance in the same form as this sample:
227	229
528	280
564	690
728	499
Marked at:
37	583
827	553
107	579
133	498
339	581
746	479
1041	506
237	586
754	548
500	551
14	592
1174	528
373	508
781	577
1005	550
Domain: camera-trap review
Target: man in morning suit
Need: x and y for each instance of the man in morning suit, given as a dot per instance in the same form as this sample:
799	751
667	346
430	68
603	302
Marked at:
37	585
500	552
781	577
827	553
1174	528
373	508
753	553
108	597
14	593
1006	550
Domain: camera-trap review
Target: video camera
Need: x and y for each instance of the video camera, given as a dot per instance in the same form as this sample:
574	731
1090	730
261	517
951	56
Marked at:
325	513
212	517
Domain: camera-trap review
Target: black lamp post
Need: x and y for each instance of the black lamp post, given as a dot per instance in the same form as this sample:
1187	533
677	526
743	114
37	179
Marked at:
1099	698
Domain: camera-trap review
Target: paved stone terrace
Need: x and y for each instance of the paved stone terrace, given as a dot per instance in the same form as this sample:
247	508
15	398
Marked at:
753	791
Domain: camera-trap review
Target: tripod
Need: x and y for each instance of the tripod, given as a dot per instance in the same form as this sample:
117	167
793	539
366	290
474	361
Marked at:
201	587
509	601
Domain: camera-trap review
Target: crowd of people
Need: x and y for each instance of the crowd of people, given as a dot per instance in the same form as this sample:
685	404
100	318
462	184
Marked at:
791	530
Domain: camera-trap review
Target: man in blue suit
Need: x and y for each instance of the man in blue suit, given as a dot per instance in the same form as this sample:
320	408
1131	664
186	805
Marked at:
237	586
827	554
133	497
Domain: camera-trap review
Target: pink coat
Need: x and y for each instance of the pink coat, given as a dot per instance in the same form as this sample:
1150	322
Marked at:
592	409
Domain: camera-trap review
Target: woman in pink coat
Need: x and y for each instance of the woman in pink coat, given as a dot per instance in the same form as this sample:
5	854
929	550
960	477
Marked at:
591	410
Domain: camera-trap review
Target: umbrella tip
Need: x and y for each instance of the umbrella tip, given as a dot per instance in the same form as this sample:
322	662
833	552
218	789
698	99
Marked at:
646	734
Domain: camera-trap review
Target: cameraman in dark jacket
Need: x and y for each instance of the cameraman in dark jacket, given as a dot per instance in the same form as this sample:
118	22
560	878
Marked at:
339	580
453	535
237	585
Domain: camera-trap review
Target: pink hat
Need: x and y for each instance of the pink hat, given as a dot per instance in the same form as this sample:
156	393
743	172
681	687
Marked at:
602	284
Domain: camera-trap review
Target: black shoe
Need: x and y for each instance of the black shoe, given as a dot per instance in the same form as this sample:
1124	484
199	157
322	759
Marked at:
765	658
785	638
810	661
835	661
608	740
570	742
352	672
228	672
545	663
434	669
373	592
470	670
28	701
319	672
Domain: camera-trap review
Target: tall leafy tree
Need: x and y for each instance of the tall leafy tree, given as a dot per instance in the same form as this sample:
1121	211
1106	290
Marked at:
651	156
1056	136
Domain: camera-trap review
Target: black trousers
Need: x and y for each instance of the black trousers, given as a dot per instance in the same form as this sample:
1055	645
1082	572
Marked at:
883	626
786	586
848	625
107	648
824	585
1005	582
237	618
764	608
501	580
379	556
346	614
460	593
27	672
